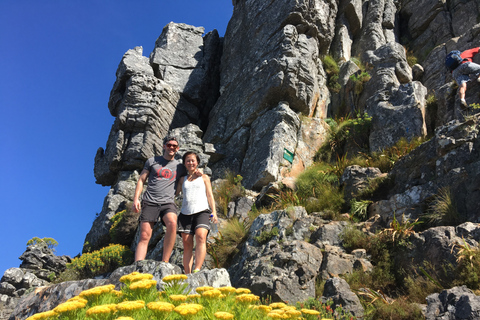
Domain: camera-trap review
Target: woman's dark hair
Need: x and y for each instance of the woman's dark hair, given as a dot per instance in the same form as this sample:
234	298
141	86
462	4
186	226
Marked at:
189	153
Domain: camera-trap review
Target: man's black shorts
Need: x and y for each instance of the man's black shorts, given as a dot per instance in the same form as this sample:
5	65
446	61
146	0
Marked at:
151	211
189	223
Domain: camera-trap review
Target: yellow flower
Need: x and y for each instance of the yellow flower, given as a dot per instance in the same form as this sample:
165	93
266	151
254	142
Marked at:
247	298
279	311
178	297
97	291
223	315
193	296
211	294
175	277
310	312
135	276
43	315
69	306
130	305
286	308
188	309
117	293
101	309
78	299
278	305
160	306
124	318
263	308
242	291
227	290
143	284
275	315
203	289
293	313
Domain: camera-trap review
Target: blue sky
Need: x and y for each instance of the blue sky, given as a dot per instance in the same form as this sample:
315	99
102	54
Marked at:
58	61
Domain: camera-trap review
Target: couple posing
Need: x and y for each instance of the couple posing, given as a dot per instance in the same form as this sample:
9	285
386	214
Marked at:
165	175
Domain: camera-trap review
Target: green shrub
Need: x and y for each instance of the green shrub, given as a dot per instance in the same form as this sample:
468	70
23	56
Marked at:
359	209
340	131
332	70
50	242
328	198
266	236
353	238
115	222
228	190
468	266
359	79
385	159
443	210
101	261
226	244
397	310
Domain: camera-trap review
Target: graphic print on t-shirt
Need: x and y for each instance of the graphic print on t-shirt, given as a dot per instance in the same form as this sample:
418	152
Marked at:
166	173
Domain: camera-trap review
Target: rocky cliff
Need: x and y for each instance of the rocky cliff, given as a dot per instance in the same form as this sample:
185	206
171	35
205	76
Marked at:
263	89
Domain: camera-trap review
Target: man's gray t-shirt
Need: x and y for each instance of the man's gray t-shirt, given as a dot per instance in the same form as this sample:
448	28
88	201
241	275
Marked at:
162	179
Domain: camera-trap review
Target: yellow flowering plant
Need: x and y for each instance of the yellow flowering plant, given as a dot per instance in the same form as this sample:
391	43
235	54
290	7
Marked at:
99	295
223	315
44	315
139	286
104	303
174	284
160	309
102	312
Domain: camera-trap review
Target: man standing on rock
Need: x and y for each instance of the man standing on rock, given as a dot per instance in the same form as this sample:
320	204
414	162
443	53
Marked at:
158	200
465	71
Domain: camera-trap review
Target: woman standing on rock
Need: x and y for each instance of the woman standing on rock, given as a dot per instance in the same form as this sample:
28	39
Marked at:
197	205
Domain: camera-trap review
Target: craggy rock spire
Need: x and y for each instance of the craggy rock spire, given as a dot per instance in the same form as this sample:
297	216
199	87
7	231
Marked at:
151	97
270	67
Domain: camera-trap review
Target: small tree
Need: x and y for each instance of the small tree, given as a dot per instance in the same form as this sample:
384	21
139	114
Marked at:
50	242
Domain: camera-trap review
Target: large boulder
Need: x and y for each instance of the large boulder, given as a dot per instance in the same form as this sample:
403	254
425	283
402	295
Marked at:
454	303
338	290
269	263
271	54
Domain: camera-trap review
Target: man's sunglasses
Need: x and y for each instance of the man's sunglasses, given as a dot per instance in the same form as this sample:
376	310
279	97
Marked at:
170	145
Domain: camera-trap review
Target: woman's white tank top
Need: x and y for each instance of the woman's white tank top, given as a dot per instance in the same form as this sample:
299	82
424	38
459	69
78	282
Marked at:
194	196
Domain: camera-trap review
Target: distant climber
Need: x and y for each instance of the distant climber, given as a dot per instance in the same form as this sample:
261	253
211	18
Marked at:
463	69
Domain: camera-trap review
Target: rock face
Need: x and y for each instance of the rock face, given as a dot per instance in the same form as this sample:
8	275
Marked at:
39	266
254	82
454	303
277	261
448	161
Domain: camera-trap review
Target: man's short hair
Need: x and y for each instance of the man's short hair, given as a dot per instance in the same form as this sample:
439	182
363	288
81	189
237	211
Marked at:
169	138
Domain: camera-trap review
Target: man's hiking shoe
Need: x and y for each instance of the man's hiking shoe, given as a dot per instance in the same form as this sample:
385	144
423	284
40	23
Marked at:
463	103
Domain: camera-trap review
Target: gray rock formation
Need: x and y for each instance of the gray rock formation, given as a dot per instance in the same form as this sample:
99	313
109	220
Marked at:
338	290
356	179
448	160
454	303
274	57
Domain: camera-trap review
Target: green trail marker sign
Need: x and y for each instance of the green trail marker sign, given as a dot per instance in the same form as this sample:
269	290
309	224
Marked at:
287	155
